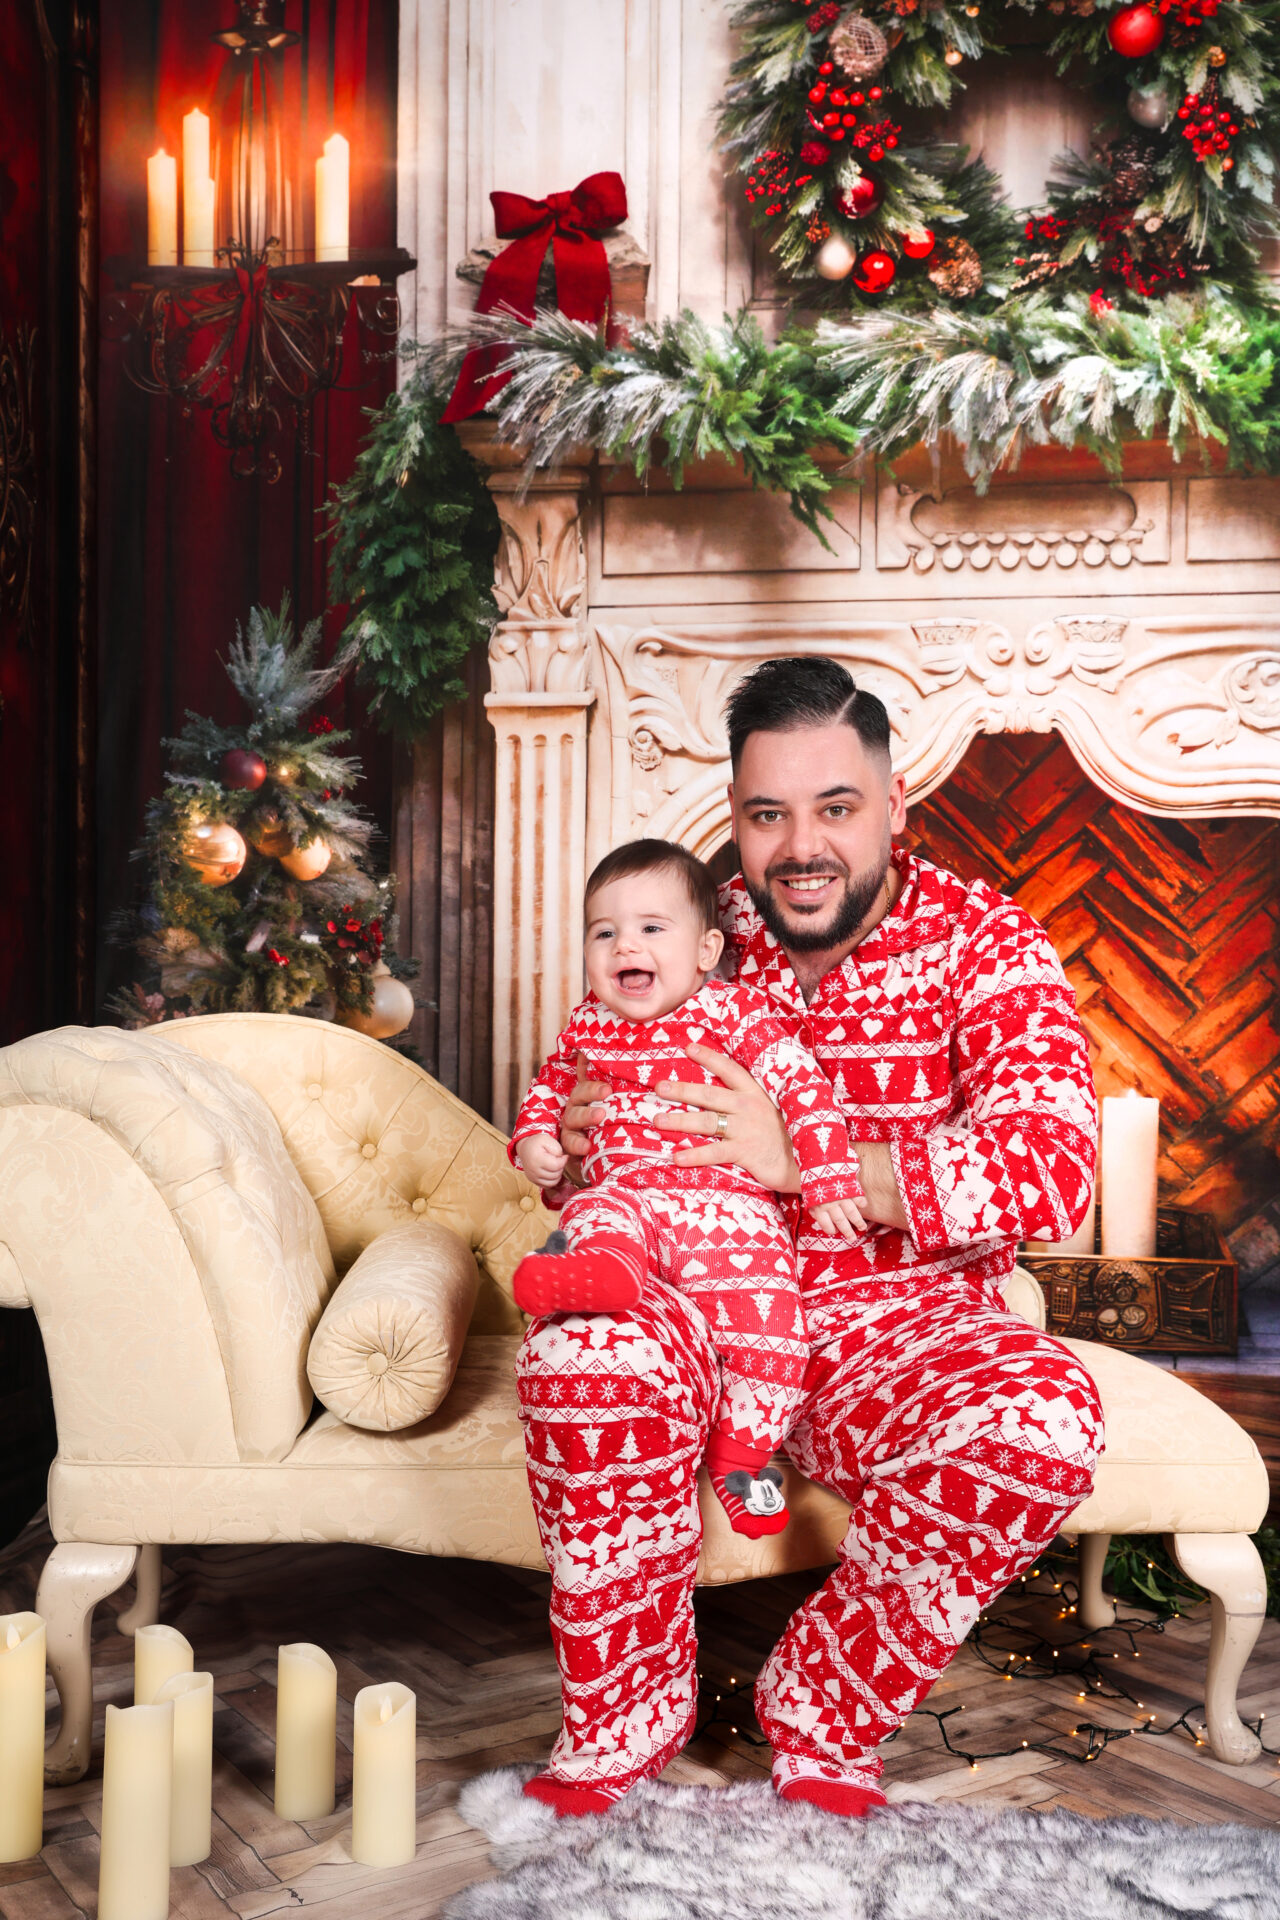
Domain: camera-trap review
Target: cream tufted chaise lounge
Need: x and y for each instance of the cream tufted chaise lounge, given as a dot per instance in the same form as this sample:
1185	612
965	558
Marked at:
178	1206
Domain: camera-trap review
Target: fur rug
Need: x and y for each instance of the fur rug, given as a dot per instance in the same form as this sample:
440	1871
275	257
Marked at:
739	1853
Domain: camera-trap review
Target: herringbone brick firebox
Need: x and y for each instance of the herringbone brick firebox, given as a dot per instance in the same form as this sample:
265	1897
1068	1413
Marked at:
1168	931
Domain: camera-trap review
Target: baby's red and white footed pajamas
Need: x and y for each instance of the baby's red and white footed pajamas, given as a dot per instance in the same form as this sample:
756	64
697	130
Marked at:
713	1233
961	1437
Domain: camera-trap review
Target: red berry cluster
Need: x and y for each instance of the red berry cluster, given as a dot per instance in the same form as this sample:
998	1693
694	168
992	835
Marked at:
321	724
813	153
364	943
876	138
771	180
1209	127
822	17
1189	13
833	112
1051	229
277	958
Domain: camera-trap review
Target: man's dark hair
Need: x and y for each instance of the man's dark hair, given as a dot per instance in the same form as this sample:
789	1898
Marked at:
655	856
806	691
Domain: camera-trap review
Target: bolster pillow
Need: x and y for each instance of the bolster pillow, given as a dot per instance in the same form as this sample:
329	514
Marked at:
385	1351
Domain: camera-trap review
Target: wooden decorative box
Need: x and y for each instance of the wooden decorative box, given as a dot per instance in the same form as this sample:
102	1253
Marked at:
1182	1301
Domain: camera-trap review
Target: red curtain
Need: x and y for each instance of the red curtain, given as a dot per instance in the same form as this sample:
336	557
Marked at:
186	548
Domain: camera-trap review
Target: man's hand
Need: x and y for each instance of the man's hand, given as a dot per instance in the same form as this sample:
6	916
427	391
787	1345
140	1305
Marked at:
883	1203
585	1109
752	1135
839	1218
542	1159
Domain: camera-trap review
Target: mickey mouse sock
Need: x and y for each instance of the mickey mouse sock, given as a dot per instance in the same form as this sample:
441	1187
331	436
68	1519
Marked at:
598	1276
735	1472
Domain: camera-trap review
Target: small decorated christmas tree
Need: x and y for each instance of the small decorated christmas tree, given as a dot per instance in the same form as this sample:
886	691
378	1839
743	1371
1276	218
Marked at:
261	897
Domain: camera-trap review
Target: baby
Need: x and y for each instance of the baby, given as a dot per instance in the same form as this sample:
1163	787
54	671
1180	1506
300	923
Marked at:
713	1233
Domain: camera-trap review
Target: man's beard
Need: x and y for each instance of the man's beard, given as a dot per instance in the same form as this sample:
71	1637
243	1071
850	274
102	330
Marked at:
859	896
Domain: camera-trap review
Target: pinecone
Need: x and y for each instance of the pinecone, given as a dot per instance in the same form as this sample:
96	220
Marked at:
858	47
1132	167
955	268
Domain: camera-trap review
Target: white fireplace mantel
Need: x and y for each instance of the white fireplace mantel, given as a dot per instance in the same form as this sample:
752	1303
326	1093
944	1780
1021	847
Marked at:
1139	620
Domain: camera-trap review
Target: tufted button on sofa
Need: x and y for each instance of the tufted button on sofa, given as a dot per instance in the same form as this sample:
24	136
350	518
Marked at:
213	1216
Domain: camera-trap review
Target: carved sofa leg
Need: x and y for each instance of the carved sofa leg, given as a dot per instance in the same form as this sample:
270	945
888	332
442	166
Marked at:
144	1609
1229	1566
1096	1611
76	1576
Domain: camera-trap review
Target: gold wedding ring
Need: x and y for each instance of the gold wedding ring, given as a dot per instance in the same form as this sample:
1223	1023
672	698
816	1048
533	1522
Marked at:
722	1126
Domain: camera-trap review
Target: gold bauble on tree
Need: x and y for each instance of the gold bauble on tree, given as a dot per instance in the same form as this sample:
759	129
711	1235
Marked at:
391	1009
309	862
268	834
858	47
215	851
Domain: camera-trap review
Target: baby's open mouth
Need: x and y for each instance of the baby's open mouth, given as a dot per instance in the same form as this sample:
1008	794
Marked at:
634	980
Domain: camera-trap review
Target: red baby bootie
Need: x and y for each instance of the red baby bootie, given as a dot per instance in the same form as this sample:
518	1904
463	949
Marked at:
749	1490
599	1276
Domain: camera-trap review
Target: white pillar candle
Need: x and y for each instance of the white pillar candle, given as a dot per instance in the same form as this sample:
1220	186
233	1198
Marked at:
191	1813
158	1652
333	200
1081	1241
1130	1148
306	1732
197	191
137	1792
162	210
21	1735
384	1786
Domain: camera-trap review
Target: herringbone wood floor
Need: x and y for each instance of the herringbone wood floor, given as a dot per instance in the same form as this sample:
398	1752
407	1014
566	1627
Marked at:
1168	932
472	1640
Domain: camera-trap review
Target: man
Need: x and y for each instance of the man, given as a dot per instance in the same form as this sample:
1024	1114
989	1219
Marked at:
961	1436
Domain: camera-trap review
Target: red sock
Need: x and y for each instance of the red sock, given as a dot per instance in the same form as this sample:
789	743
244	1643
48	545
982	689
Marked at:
837	1796
599	1276
735	1472
568	1799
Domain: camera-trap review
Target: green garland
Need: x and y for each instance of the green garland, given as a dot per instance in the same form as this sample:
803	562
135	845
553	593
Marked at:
414	534
1179	186
1195	369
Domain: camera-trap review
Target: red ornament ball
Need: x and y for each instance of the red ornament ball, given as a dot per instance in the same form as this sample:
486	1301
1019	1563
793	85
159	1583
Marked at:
862	198
1135	31
874	272
240	768
919	244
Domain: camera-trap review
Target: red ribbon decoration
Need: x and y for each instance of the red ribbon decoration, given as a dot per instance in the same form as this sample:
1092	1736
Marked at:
572	224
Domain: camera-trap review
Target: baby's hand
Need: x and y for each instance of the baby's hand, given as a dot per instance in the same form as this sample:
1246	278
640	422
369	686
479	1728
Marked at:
542	1159
839	1217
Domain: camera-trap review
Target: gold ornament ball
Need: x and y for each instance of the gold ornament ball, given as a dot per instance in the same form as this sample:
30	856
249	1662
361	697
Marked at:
309	862
836	258
1217	57
391	1010
268	834
858	47
216	852
953	56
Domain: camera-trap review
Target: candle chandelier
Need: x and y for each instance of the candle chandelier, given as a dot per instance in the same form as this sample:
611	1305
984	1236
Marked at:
242	306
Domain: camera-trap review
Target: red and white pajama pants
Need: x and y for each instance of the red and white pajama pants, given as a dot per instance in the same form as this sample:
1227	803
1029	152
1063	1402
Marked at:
961	1436
732	1253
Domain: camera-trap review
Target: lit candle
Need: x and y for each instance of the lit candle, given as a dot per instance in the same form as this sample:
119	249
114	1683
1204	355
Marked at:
306	1732
190	1818
197	191
162	210
158	1652
1130	1147
21	1735
137	1790
333	200
384	1784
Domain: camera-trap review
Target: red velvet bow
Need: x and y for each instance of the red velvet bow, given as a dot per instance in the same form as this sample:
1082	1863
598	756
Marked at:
572	224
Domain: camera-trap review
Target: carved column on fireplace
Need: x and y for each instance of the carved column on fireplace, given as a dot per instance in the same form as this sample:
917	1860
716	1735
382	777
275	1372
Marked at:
538	705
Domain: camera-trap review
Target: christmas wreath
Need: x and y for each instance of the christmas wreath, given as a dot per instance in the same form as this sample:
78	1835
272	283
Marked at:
826	118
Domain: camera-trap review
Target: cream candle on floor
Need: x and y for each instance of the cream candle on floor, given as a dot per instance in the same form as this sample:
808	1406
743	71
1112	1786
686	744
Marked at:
384	1786
306	1732
162	210
158	1652
1130	1148
137	1793
191	1813
21	1735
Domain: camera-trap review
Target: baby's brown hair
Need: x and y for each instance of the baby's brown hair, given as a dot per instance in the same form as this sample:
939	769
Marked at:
652	856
